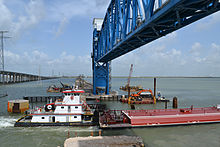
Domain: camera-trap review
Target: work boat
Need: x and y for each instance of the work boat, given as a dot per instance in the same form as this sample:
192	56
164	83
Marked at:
71	111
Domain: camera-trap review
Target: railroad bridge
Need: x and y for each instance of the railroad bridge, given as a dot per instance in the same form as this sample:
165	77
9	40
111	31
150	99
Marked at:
129	24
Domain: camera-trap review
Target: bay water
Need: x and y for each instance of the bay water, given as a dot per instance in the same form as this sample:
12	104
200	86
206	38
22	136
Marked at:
199	92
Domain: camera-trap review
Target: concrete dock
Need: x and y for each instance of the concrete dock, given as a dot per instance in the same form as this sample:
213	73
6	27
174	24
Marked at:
103	141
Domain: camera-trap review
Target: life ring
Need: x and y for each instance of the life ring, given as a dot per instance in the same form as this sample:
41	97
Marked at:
49	107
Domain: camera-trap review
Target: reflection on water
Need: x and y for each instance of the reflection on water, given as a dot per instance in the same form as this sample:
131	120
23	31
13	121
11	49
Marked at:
190	91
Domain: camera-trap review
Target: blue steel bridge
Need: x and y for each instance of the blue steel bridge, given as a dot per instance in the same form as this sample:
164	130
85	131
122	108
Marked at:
129	24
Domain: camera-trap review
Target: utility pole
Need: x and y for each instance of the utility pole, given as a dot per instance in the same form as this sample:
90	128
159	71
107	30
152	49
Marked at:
2	64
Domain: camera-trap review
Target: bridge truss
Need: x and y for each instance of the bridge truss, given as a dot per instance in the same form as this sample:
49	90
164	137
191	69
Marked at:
129	24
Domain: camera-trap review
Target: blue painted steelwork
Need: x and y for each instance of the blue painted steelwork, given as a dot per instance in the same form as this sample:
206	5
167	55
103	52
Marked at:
100	69
129	24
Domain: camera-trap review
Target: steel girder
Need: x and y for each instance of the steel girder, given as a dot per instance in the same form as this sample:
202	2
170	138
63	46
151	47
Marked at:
129	24
100	69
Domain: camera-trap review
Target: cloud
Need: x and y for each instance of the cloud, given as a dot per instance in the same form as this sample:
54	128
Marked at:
65	11
165	56
213	59
19	21
149	60
14	58
62	26
158	60
19	16
196	49
73	8
6	18
30	62
209	22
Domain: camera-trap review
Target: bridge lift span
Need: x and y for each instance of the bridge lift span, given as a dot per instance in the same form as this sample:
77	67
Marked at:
129	24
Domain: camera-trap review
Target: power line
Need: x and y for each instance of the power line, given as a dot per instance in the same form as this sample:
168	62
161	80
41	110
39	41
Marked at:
2	64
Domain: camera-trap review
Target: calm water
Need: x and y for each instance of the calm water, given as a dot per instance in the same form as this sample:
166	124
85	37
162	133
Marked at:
190	91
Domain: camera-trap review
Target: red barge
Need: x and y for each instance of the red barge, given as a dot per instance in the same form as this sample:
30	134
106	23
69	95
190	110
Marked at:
159	117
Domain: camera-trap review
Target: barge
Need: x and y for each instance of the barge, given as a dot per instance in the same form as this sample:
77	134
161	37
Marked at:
159	117
144	96
69	111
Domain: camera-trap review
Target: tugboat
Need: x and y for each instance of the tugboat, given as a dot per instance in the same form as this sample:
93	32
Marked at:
71	111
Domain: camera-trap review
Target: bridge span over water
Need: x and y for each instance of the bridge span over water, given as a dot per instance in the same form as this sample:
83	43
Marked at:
7	77
129	24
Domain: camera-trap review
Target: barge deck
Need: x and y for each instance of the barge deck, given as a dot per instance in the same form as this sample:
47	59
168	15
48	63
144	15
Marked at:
159	117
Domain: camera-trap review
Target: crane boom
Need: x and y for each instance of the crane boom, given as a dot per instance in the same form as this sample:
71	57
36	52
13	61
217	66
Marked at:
129	77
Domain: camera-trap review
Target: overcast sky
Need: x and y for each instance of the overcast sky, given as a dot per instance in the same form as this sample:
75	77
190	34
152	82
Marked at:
55	36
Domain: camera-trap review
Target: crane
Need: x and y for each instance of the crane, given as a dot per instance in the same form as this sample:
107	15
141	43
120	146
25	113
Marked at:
127	86
129	79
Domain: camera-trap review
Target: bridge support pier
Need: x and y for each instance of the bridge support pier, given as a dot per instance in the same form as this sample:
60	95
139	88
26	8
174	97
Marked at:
100	69
14	77
2	77
100	78
7	78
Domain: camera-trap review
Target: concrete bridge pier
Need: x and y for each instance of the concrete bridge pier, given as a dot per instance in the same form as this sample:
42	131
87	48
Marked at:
7	78
14	77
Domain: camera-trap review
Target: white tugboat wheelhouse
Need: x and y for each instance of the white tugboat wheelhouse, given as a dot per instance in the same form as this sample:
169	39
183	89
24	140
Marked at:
72	110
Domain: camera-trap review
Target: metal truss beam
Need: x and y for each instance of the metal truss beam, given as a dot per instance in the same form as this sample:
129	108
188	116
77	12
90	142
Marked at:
101	70
129	24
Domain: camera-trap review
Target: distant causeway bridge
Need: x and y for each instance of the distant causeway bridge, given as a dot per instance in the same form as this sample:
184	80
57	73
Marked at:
7	77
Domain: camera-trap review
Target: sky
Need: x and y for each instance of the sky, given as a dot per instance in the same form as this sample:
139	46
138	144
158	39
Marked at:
54	37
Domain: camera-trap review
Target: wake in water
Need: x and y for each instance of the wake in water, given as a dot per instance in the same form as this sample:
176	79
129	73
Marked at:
7	121
67	129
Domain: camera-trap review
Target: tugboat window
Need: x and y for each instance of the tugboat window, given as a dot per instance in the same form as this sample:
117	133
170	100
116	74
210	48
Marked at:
42	117
62	107
75	116
76	107
53	119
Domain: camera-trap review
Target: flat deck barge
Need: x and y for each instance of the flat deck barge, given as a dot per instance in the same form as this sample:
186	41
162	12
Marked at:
159	117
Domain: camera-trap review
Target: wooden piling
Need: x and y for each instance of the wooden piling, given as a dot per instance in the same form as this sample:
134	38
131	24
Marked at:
155	85
165	104
132	106
175	103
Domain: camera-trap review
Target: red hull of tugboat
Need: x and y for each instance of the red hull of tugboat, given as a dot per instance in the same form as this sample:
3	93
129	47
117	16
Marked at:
162	117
